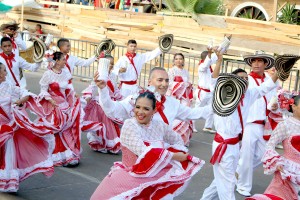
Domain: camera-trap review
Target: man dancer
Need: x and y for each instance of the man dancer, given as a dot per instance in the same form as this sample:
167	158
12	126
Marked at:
203	92
253	143
129	67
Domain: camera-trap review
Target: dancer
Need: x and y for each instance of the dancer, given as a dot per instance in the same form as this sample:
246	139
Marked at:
181	89
25	147
129	67
14	63
286	181
208	58
58	97
109	138
155	163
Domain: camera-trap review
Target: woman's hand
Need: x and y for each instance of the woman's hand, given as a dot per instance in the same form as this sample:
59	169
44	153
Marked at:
274	107
21	101
122	69
180	156
280	168
100	83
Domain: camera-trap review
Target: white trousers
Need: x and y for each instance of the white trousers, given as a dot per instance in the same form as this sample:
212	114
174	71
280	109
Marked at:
222	187
252	151
127	90
203	101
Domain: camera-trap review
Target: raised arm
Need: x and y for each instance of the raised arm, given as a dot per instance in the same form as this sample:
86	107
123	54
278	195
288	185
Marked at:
84	62
29	66
151	55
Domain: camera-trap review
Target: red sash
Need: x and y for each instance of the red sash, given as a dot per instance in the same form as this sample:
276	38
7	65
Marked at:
9	59
2	112
110	86
221	149
130	58
200	88
160	109
127	83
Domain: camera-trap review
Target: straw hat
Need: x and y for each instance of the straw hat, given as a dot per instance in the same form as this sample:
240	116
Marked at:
9	23
260	54
284	64
227	94
165	42
106	45
39	49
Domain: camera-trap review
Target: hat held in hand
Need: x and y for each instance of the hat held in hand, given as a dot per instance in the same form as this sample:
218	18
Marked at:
165	42
228	92
106	45
284	65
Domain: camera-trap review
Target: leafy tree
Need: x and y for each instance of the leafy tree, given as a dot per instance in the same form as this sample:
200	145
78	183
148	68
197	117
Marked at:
289	15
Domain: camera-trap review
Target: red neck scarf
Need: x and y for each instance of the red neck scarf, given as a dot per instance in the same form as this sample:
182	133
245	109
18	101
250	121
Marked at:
256	76
12	39
130	58
202	61
67	64
9	59
160	107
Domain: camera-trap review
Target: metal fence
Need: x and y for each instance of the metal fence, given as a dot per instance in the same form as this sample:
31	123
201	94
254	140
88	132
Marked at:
86	49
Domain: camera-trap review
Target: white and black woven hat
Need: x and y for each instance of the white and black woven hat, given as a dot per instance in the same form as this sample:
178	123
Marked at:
39	49
106	45
165	42
284	65
228	92
260	54
9	23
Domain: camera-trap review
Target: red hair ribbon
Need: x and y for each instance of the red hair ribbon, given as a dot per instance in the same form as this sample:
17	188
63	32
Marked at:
285	102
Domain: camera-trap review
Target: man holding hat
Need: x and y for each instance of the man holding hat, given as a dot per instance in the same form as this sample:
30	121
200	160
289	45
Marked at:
253	143
9	29
129	67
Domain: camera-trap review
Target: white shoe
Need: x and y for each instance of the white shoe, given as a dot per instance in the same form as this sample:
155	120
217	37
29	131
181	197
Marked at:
209	130
243	192
279	146
103	151
195	130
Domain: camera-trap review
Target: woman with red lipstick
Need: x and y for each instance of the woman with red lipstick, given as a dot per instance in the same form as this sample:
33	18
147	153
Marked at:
155	163
181	89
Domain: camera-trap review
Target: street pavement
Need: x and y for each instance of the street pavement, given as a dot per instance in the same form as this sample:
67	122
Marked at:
79	183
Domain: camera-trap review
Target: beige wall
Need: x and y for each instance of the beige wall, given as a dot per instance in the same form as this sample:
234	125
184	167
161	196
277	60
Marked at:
267	5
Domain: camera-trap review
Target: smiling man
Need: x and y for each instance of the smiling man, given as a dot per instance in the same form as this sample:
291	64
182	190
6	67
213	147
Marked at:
253	144
168	108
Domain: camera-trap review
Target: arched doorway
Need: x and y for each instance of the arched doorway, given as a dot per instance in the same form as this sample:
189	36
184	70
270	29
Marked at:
250	10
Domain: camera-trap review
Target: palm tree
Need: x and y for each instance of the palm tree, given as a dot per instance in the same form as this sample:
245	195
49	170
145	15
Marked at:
193	7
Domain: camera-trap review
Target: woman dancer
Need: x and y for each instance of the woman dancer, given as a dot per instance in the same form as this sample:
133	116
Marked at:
25	147
182	90
58	98
154	160
286	168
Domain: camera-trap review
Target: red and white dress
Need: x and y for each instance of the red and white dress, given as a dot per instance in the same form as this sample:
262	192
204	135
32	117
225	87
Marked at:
64	119
286	183
108	136
25	147
147	170
181	89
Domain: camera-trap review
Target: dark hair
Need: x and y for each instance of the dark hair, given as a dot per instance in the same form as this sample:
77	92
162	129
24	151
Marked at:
131	42
148	95
39	26
108	56
5	39
155	69
296	102
238	70
1	64
265	60
203	55
61	41
57	55
178	54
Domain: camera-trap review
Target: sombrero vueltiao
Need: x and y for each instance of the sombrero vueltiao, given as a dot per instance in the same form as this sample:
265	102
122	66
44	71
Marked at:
165	42
228	91
260	54
106	45
284	64
8	24
39	49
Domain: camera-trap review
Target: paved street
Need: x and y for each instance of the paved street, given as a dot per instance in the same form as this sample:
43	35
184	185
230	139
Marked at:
80	182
